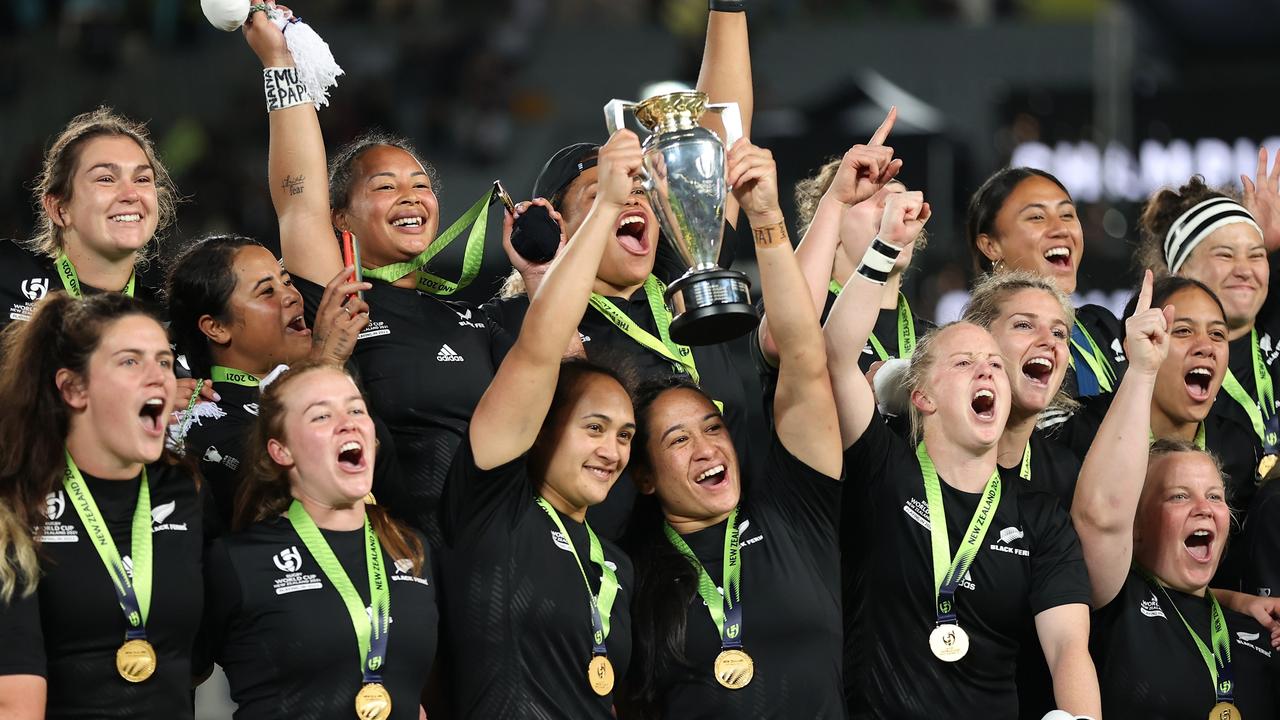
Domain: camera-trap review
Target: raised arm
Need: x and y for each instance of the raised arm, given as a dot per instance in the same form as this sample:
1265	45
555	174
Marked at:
1064	637
511	412
854	314
1262	199
1115	468
804	410
725	76
864	170
296	171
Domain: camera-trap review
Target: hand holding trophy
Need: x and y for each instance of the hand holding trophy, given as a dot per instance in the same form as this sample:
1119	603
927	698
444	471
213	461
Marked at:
684	176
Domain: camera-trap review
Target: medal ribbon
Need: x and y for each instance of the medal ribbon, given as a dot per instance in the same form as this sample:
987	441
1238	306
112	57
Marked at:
1025	471
477	218
133	593
680	355
231	375
71	281
1262	412
726	609
906	328
948	571
1100	370
1219	660
372	628
602	604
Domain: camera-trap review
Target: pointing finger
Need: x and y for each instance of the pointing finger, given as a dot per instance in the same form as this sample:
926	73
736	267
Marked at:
882	132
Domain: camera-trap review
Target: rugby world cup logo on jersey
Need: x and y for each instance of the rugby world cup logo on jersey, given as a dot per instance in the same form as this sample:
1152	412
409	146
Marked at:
35	288
54	530
289	561
374	329
1151	608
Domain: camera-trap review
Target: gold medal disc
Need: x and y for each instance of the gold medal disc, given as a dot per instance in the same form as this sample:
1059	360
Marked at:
1265	465
373	702
734	669
1226	710
136	660
600	675
949	643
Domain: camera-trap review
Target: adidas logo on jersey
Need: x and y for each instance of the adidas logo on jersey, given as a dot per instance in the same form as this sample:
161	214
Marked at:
966	582
447	354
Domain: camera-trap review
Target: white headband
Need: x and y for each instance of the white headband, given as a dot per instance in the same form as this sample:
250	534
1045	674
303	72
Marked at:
1198	223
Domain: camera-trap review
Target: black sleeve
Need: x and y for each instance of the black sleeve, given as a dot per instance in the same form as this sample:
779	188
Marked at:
388	480
503	317
1058	573
222	600
478	497
22	649
1262	543
869	461
804	496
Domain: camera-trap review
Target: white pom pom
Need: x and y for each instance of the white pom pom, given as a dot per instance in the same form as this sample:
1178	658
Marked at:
225	15
891	387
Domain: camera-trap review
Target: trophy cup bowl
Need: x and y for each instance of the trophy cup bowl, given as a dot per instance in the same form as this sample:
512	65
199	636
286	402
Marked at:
684	177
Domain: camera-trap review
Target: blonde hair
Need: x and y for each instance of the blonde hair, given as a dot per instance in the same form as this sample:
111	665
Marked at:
59	167
918	369
986	305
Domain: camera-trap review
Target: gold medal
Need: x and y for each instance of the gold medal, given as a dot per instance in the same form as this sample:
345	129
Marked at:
600	675
373	702
949	643
1265	465
136	660
1226	710
734	669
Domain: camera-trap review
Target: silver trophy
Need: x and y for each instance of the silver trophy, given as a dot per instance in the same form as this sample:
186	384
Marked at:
684	177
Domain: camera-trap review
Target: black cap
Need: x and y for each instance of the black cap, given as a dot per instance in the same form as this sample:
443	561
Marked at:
566	164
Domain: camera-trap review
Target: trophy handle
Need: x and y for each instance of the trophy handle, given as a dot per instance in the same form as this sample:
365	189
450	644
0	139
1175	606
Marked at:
613	114
731	117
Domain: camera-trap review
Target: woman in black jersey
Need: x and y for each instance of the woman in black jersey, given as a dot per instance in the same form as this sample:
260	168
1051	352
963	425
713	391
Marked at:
1205	235
941	607
102	197
738	590
1153	529
1188	381
236	317
423	361
1024	219
1030	319
539	604
100	609
627	322
319	606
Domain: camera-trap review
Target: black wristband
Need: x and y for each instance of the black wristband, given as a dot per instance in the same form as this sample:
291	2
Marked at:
727	5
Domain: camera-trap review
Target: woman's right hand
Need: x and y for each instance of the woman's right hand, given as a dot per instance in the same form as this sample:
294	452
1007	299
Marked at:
267	40
339	319
620	161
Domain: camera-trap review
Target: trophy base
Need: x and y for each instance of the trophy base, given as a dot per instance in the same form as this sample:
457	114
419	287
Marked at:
710	307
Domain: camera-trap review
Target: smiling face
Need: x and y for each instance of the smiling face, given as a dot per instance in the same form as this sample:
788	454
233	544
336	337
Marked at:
1232	261
1037	230
586	444
328	443
692	464
1032	333
122	405
112	210
1189	379
392	209
629	259
1182	522
265	326
965	395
